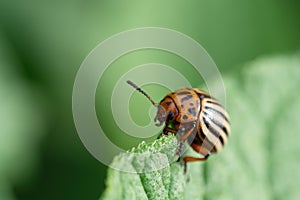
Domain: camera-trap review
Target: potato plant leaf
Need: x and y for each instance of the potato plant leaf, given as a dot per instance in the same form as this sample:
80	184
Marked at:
261	159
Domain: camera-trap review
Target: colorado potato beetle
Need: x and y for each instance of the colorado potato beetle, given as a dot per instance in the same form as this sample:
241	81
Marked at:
198	117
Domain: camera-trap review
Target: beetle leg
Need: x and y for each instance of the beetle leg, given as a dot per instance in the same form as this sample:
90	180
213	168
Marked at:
179	150
182	139
192	159
186	135
167	129
184	167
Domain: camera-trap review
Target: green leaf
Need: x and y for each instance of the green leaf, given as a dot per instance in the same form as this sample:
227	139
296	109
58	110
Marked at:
261	159
144	173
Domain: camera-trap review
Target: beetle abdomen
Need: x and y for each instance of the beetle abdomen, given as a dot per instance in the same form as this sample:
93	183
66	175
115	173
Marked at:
214	124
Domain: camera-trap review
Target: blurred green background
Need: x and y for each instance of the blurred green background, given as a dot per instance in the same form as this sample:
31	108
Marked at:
42	44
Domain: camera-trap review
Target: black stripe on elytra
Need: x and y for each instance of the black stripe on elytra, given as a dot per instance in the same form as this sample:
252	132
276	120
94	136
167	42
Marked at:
217	111
213	102
202	96
203	138
219	124
213	131
192	111
186	98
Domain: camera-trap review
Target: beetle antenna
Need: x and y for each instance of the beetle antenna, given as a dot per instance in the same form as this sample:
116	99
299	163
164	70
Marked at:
142	91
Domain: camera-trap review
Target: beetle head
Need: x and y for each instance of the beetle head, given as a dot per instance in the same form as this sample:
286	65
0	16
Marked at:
161	115
166	111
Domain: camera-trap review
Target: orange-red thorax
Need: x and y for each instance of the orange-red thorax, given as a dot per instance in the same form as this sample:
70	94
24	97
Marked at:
182	106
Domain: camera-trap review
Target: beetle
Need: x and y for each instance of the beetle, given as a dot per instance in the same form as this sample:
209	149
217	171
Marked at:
198	117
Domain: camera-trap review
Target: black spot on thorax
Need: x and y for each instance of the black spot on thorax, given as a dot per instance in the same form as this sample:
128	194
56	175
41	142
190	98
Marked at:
192	111
186	98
